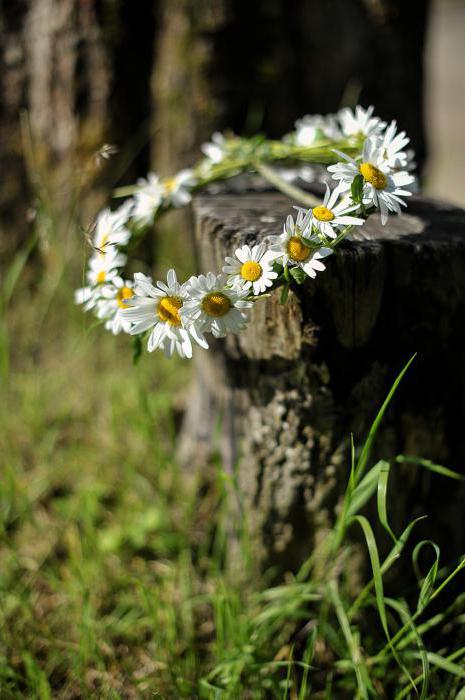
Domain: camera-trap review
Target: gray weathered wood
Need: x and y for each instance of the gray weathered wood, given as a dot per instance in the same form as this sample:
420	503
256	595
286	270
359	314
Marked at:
292	388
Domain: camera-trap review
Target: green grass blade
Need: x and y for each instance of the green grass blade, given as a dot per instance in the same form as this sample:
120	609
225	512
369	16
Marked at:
383	478
376	568
431	466
400	633
364	491
288	675
406	618
452	657
451	576
363	459
304	690
341	523
361	673
15	269
427	586
392	557
36	677
445	664
379	589
438	619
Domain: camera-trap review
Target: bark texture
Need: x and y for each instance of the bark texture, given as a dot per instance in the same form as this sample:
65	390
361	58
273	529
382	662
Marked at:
292	388
80	71
52	66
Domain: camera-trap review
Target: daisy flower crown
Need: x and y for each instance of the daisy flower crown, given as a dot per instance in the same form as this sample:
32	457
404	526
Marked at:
367	170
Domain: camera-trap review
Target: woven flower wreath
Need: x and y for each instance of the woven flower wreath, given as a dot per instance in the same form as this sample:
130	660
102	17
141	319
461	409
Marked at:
370	171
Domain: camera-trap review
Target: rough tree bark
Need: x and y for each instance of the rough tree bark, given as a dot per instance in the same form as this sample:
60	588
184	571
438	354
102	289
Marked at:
292	388
81	70
52	65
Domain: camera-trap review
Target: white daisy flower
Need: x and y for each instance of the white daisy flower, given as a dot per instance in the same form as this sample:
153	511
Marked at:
87	296
393	145
382	188
110	227
330	216
411	163
214	307
215	150
251	267
147	199
103	268
112	300
293	247
155	192
360	122
177	189
158	308
316	127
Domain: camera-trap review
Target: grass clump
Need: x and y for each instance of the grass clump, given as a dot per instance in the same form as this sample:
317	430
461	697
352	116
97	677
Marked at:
115	575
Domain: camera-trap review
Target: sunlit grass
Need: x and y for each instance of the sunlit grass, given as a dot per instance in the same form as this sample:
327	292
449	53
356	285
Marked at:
115	574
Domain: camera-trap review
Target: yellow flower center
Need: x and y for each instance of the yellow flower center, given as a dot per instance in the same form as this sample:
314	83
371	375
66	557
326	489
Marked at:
168	310
123	294
373	175
216	304
101	277
251	271
297	249
323	214
169	184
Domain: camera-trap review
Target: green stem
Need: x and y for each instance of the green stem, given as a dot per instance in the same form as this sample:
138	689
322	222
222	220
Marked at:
126	191
285	187
403	629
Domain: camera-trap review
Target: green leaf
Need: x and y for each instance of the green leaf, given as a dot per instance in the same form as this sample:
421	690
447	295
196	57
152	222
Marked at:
284	293
392	557
381	499
13	272
358	470
37	680
431	466
446	665
364	491
362	461
298	274
304	690
379	589
430	579
406	618
451	576
357	189
360	669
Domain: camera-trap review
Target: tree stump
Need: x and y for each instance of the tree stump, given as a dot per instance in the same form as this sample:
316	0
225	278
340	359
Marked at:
289	391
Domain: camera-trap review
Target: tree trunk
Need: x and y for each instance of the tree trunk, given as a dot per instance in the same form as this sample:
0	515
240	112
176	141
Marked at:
80	71
52	67
304	376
